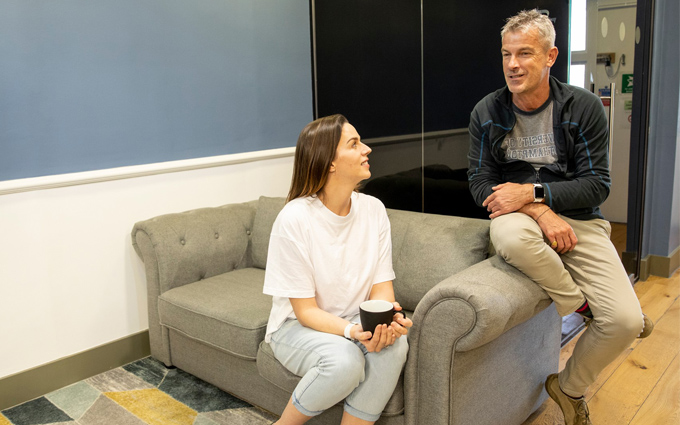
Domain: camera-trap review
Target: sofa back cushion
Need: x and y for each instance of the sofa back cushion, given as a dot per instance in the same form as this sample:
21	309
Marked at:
267	210
427	248
182	248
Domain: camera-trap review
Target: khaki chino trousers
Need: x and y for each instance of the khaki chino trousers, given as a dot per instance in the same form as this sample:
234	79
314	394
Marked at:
592	272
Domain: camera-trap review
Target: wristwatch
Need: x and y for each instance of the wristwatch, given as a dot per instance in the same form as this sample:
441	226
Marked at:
348	328
539	192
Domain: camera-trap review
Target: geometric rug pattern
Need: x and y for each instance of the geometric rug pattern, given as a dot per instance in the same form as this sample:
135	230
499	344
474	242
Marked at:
142	392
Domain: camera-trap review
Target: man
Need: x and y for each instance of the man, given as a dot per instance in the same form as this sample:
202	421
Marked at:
538	163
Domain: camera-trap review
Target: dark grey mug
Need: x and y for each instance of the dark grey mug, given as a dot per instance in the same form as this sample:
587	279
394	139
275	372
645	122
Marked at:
376	312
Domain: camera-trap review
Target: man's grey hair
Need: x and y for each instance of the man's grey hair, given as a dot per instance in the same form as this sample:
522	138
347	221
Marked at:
526	20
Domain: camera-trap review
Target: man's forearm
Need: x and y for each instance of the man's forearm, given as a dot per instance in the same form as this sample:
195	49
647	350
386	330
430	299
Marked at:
508	198
534	210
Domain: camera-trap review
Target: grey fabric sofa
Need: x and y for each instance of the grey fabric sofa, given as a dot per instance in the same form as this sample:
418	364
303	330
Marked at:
484	335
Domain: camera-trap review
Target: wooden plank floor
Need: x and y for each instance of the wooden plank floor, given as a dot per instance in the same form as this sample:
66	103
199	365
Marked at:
642	386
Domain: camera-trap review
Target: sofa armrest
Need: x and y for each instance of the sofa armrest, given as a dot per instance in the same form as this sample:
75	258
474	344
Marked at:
193	245
178	249
487	299
460	314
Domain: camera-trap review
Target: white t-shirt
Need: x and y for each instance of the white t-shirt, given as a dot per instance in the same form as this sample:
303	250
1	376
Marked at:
316	253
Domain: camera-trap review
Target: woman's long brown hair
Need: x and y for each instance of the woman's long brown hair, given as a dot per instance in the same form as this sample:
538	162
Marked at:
314	153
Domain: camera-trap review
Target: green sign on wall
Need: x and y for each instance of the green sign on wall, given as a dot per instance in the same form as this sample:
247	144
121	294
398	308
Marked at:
627	83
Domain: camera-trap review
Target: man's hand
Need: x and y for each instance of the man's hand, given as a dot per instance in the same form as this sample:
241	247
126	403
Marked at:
508	197
558	230
554	228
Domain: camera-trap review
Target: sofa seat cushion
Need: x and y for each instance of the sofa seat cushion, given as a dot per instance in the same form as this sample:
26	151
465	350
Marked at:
273	371
228	311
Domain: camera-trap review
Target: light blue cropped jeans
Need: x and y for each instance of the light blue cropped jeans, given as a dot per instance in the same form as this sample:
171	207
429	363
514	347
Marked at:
334	368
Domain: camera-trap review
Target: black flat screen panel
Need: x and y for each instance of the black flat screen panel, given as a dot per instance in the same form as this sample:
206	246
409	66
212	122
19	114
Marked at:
462	54
368	64
368	59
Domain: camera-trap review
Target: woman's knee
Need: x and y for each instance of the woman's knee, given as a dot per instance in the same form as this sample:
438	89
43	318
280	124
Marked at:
401	349
346	361
394	357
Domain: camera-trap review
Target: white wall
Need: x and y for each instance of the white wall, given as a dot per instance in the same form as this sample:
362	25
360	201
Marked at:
69	277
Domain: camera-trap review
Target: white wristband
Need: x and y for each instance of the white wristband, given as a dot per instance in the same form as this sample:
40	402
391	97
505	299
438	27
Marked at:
348	328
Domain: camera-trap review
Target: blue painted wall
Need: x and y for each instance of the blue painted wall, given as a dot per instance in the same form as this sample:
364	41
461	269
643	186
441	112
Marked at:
88	85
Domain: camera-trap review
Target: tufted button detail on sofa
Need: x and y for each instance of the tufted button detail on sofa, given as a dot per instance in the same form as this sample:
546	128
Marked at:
182	241
217	235
248	232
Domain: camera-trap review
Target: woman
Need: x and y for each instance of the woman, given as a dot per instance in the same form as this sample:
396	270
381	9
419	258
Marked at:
330	250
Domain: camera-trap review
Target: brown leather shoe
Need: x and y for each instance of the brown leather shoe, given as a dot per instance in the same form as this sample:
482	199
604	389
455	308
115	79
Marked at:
575	410
648	328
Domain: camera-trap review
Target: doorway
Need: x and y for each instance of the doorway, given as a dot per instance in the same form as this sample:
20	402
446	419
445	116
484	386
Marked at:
613	81
602	58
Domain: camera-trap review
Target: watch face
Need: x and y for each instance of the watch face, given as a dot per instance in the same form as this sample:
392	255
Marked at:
539	192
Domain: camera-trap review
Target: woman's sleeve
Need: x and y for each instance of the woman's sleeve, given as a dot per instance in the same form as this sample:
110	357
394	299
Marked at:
384	268
289	270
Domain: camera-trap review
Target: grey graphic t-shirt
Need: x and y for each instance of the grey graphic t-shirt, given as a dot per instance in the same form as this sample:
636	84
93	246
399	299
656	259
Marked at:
532	138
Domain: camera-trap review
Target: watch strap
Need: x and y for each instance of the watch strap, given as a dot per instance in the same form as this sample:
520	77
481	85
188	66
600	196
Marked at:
348	330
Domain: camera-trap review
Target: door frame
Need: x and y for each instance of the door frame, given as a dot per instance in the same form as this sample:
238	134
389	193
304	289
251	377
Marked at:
639	136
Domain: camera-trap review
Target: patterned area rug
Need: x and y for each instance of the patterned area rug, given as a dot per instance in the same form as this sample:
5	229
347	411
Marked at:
142	392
